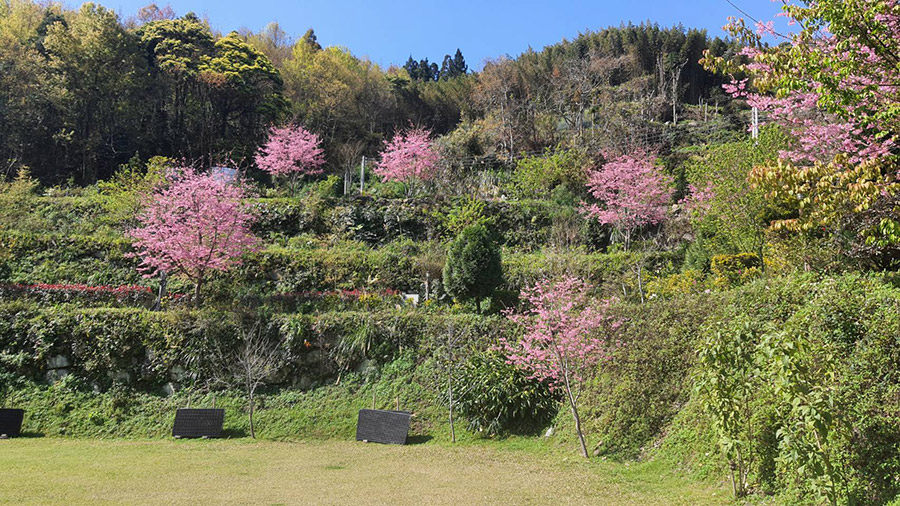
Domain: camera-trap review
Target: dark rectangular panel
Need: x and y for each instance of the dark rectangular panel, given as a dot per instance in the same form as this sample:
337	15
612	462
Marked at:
11	422
380	426
198	423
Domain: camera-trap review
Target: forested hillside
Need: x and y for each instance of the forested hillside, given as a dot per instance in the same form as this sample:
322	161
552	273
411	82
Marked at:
85	91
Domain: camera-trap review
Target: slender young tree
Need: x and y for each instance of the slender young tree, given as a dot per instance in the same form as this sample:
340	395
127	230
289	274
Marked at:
249	365
193	224
291	152
566	335
633	192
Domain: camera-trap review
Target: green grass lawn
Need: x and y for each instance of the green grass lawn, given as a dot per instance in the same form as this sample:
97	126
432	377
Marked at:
77	471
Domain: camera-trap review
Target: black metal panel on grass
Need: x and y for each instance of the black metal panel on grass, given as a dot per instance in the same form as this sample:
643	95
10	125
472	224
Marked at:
191	423
391	427
11	422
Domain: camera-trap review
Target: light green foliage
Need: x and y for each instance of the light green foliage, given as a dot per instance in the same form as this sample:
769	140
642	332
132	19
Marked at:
177	44
560	173
727	381
17	201
803	372
241	65
738	214
121	195
464	213
787	375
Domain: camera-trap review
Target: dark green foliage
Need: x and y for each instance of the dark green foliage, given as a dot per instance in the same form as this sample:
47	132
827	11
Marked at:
497	398
473	269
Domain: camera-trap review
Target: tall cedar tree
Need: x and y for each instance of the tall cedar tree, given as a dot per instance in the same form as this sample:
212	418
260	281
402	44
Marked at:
473	269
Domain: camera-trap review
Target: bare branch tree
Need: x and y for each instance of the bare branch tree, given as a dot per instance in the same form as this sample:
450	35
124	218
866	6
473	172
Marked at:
250	364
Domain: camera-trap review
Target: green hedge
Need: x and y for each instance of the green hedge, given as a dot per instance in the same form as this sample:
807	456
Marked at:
47	258
146	349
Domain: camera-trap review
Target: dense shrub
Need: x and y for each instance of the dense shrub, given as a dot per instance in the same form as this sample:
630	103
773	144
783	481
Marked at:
51	258
498	398
648	377
818	422
735	270
559	172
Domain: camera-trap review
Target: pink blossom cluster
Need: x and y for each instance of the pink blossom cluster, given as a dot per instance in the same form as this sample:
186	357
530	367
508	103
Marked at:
632	190
409	155
846	108
566	334
698	200
291	150
192	223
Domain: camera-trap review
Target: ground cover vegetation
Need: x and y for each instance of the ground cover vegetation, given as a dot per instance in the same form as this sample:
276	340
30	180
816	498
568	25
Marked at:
579	250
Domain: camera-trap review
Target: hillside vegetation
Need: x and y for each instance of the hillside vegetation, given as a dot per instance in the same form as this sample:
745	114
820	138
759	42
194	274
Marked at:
578	249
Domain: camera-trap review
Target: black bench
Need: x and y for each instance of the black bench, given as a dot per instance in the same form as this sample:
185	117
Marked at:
11	422
193	423
379	426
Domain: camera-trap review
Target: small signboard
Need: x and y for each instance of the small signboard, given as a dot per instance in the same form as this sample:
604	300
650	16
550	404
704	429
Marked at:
379	426
11	422
194	423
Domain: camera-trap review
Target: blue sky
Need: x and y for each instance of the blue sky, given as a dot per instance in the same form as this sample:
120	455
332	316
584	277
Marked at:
389	31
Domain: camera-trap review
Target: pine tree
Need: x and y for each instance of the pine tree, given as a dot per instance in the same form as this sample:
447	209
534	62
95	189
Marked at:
459	64
447	68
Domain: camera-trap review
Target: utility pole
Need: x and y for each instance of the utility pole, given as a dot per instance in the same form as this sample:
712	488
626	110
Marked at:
754	129
348	177
362	175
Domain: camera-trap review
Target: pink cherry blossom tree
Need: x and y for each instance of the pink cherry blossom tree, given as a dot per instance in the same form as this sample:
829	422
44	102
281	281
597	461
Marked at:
408	157
291	152
632	192
193	223
831	82
566	335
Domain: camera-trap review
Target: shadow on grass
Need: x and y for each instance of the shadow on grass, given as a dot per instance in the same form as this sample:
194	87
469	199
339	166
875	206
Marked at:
418	439
25	435
235	433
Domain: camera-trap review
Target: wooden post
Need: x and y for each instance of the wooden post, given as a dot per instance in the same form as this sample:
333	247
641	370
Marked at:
362	175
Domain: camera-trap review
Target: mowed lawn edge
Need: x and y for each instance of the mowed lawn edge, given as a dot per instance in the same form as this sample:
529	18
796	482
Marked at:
80	471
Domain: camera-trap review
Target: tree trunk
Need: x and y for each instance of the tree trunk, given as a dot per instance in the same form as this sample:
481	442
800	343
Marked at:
197	287
452	428
163	283
574	407
584	451
252	430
